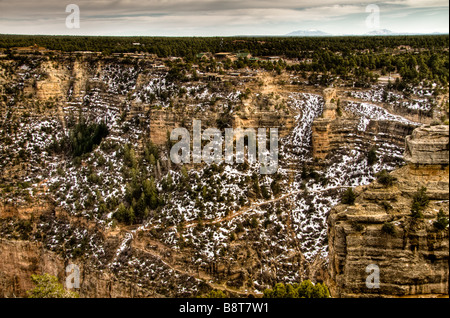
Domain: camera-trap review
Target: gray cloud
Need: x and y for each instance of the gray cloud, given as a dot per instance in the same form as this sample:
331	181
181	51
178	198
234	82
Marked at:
209	17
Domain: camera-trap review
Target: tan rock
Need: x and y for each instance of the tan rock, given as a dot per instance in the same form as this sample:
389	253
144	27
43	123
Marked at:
428	145
413	260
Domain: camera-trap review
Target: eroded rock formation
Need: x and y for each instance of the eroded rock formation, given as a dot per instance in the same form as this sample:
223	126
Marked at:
49	212
411	253
334	130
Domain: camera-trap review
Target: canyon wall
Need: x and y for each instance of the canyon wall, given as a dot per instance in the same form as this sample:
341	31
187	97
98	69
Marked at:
21	259
49	216
332	130
379	235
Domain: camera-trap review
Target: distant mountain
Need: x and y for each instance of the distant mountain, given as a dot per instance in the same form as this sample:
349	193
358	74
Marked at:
308	33
389	32
381	32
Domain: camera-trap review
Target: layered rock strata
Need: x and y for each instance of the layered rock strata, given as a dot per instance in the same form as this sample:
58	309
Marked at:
379	240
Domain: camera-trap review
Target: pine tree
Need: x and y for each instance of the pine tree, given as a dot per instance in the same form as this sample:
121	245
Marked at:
152	160
385	178
275	186
372	156
169	181
121	213
420	202
130	217
264	192
140	207
184	173
441	222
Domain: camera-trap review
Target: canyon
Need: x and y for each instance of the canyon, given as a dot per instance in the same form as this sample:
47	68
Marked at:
213	226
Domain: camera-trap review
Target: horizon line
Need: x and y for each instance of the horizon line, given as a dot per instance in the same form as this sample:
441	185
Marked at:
237	35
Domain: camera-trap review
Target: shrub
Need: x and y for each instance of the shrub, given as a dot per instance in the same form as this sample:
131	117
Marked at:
320	291
279	291
215	293
305	289
357	226
388	228
47	286
386	205
435	123
348	197
385	178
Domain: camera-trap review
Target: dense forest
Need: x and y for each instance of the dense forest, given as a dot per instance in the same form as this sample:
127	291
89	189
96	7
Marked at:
188	47
362	59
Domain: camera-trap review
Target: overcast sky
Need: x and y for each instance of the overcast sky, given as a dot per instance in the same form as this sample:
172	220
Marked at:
221	17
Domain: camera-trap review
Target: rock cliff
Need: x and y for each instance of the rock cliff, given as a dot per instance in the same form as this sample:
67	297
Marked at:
21	259
335	129
410	253
215	226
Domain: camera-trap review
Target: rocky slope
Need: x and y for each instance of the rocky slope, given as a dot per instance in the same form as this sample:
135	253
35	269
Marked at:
215	226
410	252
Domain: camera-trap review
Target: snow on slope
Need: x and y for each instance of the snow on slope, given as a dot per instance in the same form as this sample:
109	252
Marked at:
368	112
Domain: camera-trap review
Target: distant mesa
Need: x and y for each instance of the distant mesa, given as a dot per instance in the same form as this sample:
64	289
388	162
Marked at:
381	32
308	33
377	32
389	32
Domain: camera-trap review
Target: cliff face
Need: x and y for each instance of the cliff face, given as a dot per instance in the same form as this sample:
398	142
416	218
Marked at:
330	135
217	227
428	146
411	253
331	132
163	121
21	259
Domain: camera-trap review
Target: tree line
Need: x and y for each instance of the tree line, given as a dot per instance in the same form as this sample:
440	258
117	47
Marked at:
188	47
415	58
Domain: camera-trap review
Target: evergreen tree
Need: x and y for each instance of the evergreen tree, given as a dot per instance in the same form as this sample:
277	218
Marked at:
420	202
305	289
372	156
441	222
